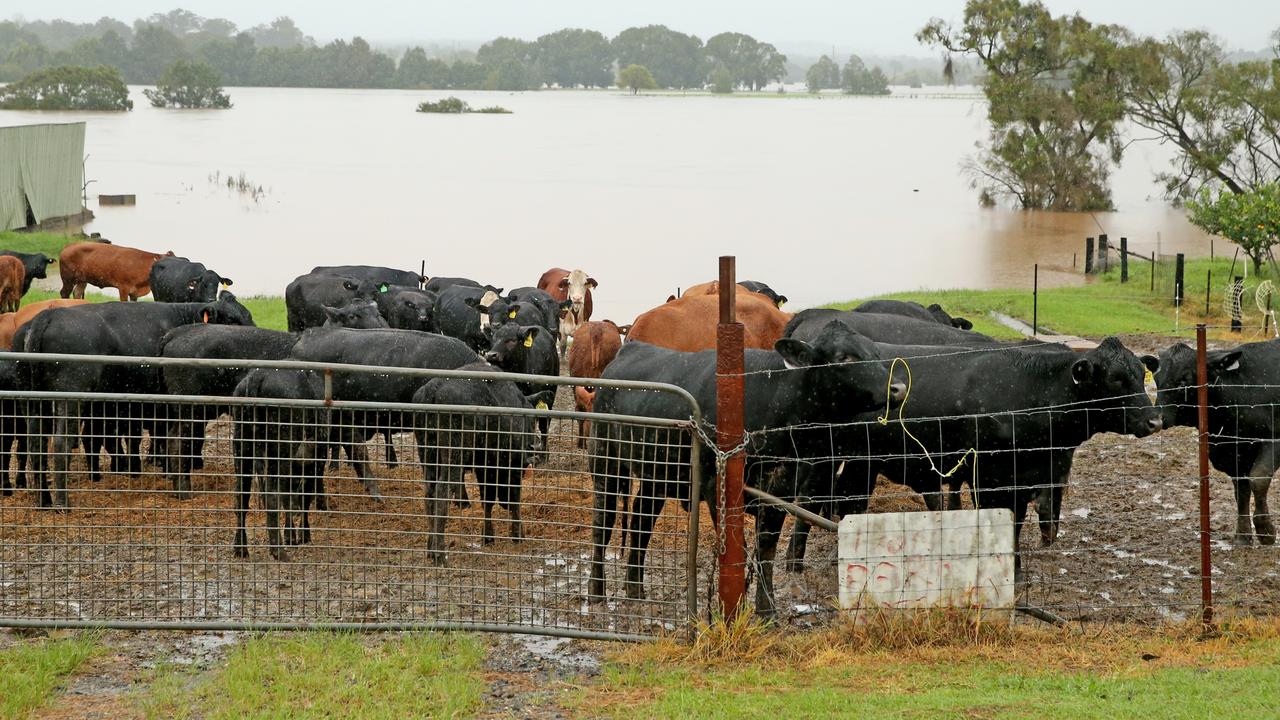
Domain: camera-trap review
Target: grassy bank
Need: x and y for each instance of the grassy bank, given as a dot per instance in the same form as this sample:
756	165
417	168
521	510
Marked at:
1103	306
31	671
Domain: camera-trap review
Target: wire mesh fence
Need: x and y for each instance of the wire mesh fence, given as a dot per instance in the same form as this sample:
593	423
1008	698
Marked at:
185	511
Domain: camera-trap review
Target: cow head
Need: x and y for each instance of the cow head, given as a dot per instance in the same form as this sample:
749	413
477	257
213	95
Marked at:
843	373
509	346
408	308
584	398
226	310
41	265
1109	382
203	285
1176	380
577	287
360	315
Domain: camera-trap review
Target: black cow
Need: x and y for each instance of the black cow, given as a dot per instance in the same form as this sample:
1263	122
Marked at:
1013	415
793	386
372	274
440	284
756	286
187	420
933	313
550	307
113	328
359	314
518	312
11	427
308	295
498	448
464	312
407	308
880	327
1244	388
384	347
177	279
35	264
282	446
529	350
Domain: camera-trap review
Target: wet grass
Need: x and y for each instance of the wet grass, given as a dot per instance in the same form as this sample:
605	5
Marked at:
325	675
31	670
1104	306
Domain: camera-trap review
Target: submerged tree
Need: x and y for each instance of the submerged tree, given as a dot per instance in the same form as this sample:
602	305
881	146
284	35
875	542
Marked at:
189	85
1054	86
857	79
68	87
636	78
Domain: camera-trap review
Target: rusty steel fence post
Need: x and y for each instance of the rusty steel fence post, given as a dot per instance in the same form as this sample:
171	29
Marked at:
729	435
1202	404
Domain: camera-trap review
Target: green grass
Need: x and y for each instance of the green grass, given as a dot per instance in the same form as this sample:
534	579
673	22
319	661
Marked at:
325	675
48	243
30	671
1099	308
268	311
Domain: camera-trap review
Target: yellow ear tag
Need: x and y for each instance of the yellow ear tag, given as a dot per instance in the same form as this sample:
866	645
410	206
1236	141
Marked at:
542	405
512	314
1148	378
528	341
781	303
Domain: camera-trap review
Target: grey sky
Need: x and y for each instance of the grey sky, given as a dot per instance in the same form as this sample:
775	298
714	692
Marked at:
866	27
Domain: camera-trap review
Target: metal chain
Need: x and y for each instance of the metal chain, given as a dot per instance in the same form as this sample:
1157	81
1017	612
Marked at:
722	460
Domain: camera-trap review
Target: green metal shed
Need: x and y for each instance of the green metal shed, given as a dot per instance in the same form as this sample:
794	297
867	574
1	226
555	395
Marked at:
41	173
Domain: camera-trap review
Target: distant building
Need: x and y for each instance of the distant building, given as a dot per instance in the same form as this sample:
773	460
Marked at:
41	174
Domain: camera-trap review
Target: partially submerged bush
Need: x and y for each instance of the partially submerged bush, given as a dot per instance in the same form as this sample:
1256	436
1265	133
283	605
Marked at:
457	106
68	87
189	85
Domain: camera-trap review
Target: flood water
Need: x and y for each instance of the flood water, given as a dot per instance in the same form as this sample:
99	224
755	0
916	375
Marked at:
824	199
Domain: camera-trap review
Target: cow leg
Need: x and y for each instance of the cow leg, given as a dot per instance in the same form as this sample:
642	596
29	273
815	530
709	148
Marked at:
798	544
358	452
244	485
1244	530
604	501
62	447
953	488
768	529
645	508
271	486
513	507
437	512
1259	482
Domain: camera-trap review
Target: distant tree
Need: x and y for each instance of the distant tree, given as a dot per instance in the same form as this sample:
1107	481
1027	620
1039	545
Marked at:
721	81
178	21
282	33
1250	219
110	49
418	71
676	60
189	85
154	49
467	75
573	57
858	80
232	57
751	63
823	75
496	51
68	87
637	78
510	75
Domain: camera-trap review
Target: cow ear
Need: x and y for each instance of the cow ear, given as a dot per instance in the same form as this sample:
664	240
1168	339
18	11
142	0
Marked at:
1081	371
472	302
529	333
1150	362
782	300
671	298
1226	362
591	283
330	313
226	282
623	330
795	353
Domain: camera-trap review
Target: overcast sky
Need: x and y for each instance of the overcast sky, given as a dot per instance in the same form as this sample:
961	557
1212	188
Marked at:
884	27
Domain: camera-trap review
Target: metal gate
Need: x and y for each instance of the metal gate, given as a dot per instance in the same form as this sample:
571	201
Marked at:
355	514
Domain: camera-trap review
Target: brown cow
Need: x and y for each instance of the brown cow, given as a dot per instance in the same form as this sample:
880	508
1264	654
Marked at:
689	323
593	348
575	287
756	288
12	273
10	322
126	269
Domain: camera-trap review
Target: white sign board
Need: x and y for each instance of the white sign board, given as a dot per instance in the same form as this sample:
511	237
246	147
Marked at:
956	558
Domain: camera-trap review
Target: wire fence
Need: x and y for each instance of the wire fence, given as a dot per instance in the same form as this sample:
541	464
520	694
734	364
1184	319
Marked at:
262	512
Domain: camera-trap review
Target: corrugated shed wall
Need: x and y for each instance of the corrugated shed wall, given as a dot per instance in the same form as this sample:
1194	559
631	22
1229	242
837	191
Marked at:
42	165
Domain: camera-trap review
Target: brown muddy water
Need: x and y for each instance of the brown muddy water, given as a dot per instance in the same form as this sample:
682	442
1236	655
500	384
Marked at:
824	198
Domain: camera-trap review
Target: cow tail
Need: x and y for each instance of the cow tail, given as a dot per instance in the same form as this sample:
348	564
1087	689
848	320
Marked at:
33	343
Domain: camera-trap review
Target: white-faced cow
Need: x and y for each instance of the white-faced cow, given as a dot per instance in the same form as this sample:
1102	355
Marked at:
574	286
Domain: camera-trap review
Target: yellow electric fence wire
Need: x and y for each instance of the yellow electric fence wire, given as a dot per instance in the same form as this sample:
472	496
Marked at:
884	420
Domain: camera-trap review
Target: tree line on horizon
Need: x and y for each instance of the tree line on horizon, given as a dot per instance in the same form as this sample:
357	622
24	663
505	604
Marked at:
280	54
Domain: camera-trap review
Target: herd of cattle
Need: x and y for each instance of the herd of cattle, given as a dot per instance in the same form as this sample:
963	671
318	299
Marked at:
820	385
